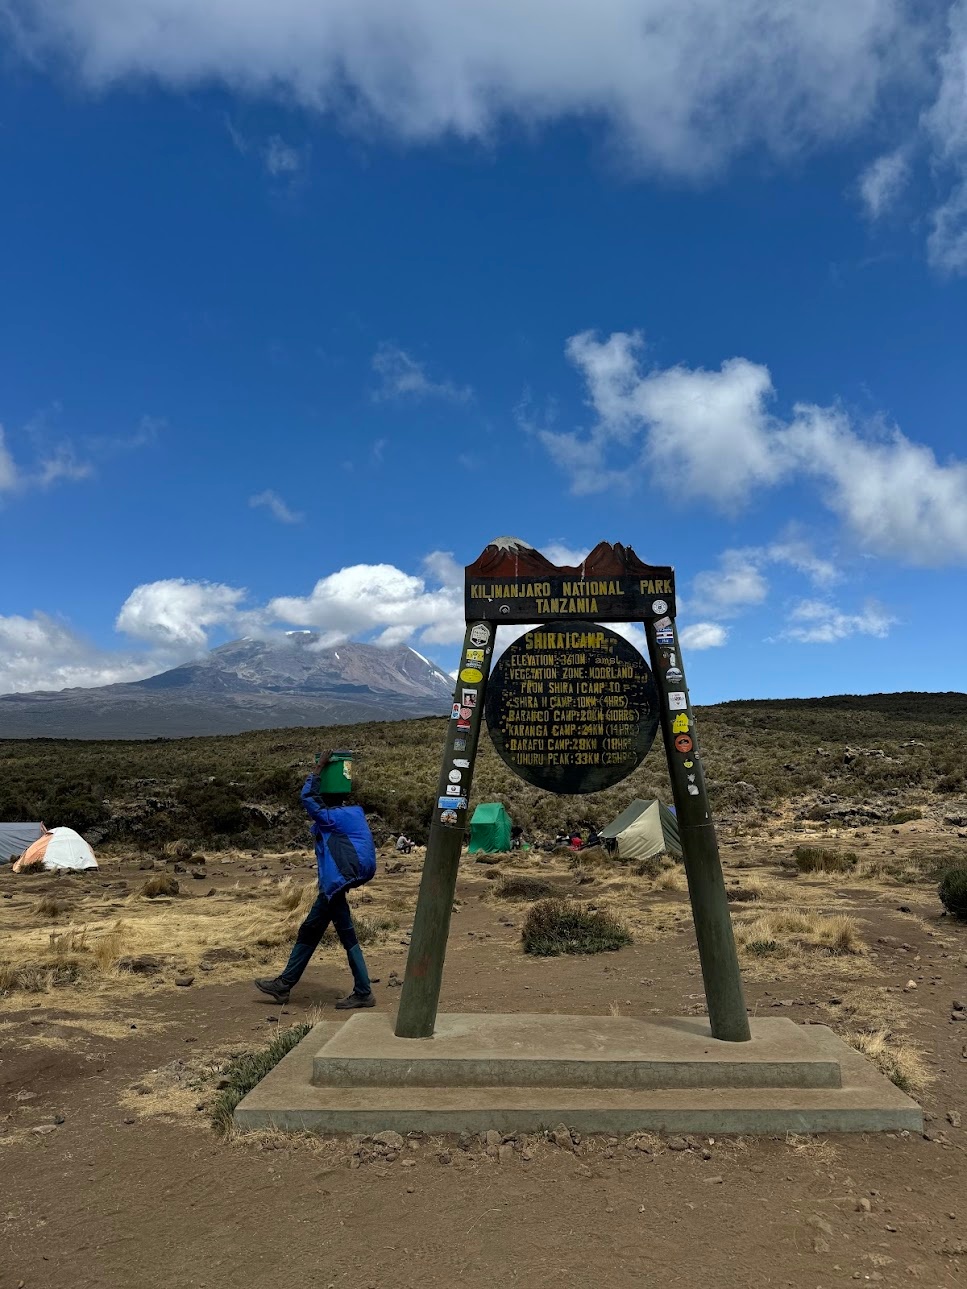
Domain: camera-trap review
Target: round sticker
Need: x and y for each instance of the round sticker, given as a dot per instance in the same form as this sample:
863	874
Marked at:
689	764
683	743
480	634
659	606
673	675
471	676
448	818
454	776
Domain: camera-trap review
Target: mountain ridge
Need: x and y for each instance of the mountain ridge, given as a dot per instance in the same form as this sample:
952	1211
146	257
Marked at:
246	684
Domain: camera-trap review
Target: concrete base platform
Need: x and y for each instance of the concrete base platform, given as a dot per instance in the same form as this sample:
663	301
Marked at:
474	1050
724	1091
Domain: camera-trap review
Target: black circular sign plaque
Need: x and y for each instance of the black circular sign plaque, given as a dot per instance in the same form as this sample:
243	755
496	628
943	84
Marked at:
572	707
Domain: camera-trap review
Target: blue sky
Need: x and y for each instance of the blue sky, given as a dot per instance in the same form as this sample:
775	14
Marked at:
300	306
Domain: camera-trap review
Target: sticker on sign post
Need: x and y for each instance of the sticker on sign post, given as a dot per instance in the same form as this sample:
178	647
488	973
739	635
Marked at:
452	803
677	701
480	634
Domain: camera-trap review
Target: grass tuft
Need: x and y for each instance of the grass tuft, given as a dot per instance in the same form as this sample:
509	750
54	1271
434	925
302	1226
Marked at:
248	1069
553	927
901	1062
523	888
160	884
905	816
820	859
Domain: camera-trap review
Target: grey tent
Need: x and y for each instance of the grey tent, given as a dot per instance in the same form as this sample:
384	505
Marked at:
644	829
15	838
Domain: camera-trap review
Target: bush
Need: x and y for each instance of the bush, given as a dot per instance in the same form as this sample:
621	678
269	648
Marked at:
161	884
648	867
953	892
819	859
248	1069
558	926
48	907
523	888
905	816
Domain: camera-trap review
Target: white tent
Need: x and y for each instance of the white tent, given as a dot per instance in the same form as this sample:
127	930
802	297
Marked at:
646	828
59	848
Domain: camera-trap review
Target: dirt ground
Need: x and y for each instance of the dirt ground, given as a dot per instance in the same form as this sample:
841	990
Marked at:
114	1177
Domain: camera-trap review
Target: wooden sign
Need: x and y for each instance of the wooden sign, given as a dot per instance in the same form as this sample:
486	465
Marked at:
572	707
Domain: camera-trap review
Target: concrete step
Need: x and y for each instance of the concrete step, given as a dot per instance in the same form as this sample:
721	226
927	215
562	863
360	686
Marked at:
538	1050
286	1099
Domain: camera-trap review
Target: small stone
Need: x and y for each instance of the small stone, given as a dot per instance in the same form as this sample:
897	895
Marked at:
953	1118
911	984
819	1223
184	981
59	1119
491	1139
890	1227
42	1129
561	1136
445	1157
863	1205
130	1120
714	1181
505	1153
904	908
958	1015
408	1163
677	1143
706	1153
392	1140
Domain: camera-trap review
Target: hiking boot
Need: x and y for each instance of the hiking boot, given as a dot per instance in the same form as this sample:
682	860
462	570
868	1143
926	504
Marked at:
355	1000
275	988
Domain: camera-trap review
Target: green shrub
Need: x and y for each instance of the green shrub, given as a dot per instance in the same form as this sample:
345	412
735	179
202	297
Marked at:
819	859
523	888
906	815
764	948
248	1069
953	892
560	926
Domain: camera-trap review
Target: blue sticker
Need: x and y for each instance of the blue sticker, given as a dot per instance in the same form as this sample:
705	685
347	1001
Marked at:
452	803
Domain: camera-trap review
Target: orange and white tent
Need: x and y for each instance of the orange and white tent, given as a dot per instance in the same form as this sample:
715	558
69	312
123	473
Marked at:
58	848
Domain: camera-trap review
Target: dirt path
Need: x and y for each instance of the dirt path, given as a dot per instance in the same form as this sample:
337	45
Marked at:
133	1190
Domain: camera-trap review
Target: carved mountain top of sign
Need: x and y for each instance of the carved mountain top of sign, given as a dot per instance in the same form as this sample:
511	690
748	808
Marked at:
512	557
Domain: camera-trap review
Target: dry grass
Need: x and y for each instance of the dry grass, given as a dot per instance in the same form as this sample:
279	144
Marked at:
160	884
672	879
785	932
900	1060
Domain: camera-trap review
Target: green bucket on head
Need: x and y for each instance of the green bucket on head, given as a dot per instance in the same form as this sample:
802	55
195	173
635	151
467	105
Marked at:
337	775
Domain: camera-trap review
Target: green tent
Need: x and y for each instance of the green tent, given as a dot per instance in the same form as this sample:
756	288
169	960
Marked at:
490	828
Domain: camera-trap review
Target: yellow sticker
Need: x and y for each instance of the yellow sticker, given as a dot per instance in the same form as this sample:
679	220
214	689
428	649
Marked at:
471	676
680	724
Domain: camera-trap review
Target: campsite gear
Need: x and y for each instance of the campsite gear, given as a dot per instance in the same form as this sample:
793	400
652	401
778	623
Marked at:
16	838
274	988
354	1000
336	775
345	851
60	848
644	829
489	828
311	932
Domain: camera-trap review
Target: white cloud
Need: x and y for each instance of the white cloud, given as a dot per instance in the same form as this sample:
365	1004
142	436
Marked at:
9	475
379	597
178	613
882	182
707	433
273	503
40	652
740	582
559	553
403	377
818	622
280	158
50	466
947	242
683	85
703	635
711	436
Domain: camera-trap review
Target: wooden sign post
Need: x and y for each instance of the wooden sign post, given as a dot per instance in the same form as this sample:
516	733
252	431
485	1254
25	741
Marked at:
572	708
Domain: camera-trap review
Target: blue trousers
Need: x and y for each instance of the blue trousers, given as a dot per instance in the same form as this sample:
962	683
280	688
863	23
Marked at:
311	932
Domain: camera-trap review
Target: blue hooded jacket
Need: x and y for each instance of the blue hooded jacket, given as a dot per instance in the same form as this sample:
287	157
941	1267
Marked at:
345	850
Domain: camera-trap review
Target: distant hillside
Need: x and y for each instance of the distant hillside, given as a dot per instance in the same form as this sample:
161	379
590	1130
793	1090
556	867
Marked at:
856	759
245	685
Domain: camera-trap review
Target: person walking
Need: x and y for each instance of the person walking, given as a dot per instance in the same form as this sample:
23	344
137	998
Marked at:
345	857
